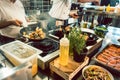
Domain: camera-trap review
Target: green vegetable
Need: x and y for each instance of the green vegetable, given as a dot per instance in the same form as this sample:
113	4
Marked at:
101	28
100	31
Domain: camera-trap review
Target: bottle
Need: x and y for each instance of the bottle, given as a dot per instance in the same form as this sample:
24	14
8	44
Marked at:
95	20
108	8
92	22
83	23
64	51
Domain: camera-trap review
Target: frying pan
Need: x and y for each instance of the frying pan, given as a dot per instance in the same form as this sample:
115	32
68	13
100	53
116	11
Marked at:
92	38
28	30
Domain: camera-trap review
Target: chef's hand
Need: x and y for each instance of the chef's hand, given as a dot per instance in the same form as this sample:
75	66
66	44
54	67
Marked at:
96	2
16	22
74	15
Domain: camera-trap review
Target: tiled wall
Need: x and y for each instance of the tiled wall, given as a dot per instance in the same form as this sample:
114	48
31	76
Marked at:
42	5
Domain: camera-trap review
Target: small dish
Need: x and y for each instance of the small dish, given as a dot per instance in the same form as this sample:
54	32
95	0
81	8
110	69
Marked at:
101	31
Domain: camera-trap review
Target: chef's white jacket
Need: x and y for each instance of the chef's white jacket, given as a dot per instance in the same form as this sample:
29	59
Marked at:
60	9
10	11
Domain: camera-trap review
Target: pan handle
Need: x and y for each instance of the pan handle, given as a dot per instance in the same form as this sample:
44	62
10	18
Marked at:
23	39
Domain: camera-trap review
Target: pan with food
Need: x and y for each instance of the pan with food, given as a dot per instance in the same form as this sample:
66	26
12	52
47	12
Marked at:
59	33
91	38
33	33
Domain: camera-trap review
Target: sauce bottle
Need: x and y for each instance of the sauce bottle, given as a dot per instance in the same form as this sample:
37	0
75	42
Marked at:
64	51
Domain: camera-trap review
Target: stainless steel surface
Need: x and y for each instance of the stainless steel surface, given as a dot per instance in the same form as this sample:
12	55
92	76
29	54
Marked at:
105	14
41	74
43	62
8	69
6	73
1	57
5	61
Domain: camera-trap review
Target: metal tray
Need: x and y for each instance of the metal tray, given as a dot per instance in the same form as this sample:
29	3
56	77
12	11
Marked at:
108	60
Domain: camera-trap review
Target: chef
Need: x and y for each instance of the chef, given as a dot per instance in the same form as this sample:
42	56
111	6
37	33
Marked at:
12	16
60	11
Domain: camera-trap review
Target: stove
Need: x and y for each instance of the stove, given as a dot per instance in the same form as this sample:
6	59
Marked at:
49	46
50	50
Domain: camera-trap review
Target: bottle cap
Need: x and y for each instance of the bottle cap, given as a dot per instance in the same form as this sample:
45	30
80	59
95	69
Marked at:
64	41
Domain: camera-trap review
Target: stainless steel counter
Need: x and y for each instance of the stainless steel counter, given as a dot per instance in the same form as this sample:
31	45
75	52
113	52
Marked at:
7	70
11	69
42	74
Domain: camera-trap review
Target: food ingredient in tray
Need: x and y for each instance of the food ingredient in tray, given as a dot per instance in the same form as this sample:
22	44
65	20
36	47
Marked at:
20	50
110	56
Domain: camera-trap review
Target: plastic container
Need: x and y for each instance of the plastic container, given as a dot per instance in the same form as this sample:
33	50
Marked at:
64	51
18	53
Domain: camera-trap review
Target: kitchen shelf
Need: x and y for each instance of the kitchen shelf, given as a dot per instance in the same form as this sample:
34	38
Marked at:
102	13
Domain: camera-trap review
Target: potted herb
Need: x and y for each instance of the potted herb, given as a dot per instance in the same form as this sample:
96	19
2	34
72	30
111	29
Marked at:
77	44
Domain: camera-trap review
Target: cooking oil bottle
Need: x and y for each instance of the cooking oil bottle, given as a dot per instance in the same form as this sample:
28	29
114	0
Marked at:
64	51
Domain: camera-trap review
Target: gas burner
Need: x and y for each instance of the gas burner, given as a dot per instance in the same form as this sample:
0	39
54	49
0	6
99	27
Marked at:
47	46
50	50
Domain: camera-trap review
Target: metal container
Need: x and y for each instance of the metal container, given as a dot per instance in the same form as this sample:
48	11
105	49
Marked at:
109	60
